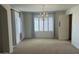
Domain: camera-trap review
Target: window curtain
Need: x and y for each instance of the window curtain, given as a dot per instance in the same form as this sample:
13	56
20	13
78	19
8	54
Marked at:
17	25
13	27
43	26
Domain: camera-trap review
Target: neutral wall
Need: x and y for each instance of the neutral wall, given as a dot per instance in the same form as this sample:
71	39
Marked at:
56	26
75	25
27	16
7	7
45	35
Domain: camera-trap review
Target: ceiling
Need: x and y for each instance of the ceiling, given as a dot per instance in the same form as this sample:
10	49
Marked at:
37	7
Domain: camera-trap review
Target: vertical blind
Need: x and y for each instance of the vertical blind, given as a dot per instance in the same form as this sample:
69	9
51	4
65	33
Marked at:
43	24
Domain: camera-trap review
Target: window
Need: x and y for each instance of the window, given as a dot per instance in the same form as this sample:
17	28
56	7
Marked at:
45	24
40	24
36	24
50	24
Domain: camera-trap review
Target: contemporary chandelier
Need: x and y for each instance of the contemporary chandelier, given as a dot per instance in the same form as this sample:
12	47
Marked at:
44	13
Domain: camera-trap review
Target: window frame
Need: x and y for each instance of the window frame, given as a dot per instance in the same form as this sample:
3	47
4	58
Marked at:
44	24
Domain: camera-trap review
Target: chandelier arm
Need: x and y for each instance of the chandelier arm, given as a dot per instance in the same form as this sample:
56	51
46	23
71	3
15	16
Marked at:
43	13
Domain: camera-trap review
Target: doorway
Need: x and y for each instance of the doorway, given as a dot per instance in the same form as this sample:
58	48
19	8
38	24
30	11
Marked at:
70	27
4	38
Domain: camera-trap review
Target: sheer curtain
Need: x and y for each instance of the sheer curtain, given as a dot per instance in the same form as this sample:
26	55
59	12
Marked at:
17	25
44	27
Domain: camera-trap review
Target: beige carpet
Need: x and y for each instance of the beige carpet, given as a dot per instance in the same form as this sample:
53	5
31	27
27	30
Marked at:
44	46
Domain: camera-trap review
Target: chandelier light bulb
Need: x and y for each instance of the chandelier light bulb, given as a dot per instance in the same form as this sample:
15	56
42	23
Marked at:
43	13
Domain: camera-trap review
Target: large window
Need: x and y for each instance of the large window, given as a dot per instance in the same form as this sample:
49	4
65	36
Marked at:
36	25
43	24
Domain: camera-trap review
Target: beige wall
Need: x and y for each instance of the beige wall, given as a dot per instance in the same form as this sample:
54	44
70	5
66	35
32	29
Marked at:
27	24
46	35
75	24
56	25
7	7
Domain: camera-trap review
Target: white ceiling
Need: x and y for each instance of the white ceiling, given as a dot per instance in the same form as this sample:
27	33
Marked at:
37	7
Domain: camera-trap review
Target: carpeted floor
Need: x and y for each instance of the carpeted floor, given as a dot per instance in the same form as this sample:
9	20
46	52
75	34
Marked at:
45	46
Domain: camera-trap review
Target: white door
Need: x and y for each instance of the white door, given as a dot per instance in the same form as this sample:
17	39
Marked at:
63	27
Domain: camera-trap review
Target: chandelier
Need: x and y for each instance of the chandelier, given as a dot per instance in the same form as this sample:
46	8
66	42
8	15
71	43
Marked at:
44	13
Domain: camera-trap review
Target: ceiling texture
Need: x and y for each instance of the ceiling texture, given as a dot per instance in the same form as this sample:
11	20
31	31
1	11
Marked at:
38	7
